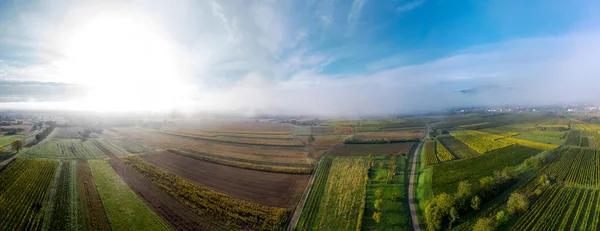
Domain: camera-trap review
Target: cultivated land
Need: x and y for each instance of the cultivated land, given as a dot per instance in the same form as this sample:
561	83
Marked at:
263	175
6	140
337	199
23	187
267	188
66	149
446	176
124	209
375	149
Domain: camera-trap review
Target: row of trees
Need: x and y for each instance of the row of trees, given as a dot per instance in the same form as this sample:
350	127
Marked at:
446	209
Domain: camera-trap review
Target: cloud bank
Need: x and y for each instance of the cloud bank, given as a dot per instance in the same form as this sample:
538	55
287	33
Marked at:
270	57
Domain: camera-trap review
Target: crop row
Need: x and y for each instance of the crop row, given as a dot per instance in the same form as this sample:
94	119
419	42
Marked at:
129	145
480	141
574	166
226	139
562	208
531	144
211	204
22	202
309	210
66	148
429	149
442	153
341	200
263	166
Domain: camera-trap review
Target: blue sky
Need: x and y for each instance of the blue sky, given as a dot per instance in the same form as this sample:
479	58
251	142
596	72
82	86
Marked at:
355	57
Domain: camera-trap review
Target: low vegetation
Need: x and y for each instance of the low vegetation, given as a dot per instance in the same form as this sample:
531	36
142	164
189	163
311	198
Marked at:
66	149
479	141
337	197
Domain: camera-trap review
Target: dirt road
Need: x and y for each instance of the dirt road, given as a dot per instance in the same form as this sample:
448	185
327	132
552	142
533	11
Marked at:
411	183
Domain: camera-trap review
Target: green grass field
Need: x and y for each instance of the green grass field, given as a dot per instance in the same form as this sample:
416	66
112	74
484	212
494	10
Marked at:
6	140
66	149
446	176
124	209
395	213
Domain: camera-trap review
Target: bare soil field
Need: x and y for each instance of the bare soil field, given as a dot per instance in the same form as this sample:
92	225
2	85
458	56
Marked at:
271	189
170	209
274	154
375	149
391	135
92	212
326	142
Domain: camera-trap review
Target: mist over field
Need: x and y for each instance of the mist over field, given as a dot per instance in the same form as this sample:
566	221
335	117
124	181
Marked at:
310	58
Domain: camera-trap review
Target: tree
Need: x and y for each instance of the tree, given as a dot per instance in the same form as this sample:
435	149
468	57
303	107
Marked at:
378	193
433	216
454	216
502	217
445	202
377	217
475	202
517	203
544	180
311	139
488	185
484	224
378	204
463	193
17	145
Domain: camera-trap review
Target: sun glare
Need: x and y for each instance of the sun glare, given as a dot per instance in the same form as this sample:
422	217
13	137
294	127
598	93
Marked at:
126	62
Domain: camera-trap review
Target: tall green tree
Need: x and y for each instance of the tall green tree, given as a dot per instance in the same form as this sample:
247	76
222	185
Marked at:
17	145
517	203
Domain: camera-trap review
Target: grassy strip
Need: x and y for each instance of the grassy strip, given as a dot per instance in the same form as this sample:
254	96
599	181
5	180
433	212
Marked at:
245	165
211	204
125	210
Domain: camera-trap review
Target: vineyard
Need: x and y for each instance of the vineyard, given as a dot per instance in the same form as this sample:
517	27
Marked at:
562	208
337	196
442	153
457	148
480	141
23	187
573	138
64	211
531	144
429	149
577	167
66	149
446	176
128	145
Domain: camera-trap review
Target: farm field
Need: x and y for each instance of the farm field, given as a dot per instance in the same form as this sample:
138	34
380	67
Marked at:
64	210
124	209
272	154
394	211
429	150
442	152
219	209
6	140
576	167
267	188
337	199
91	215
242	140
66	132
230	126
375	149
114	149
169	208
457	148
531	144
127	145
479	141
24	185
446	176
562	208
390	135
66	149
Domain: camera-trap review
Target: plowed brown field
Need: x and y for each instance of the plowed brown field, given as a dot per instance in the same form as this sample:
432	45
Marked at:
92	211
271	189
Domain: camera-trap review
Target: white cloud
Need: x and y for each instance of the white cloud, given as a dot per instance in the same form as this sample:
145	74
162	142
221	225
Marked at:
410	6
354	14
